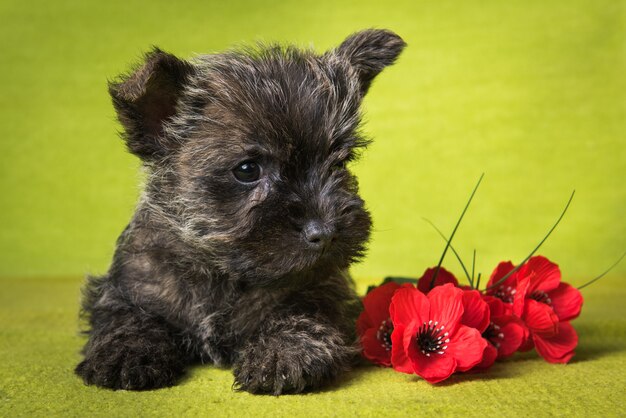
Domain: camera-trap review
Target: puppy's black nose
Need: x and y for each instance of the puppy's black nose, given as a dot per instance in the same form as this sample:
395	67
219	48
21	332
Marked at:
317	234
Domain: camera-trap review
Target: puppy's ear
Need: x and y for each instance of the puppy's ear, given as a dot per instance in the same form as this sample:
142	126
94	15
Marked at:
370	51
146	99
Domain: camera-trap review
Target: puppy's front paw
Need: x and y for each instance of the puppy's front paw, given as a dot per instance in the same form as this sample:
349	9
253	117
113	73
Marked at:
265	371
284	364
131	366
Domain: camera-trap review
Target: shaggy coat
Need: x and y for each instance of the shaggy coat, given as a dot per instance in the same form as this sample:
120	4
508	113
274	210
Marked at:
238	251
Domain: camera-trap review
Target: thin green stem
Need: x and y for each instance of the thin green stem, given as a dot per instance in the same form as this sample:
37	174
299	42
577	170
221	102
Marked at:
458	257
445	250
474	266
506	276
478	281
603	274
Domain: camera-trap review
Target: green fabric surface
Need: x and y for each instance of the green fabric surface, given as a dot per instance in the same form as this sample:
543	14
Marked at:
39	347
530	92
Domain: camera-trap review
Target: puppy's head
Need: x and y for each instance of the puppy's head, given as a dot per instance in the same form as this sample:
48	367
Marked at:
247	151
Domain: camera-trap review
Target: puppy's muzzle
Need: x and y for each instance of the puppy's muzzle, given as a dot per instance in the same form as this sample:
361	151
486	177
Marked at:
318	235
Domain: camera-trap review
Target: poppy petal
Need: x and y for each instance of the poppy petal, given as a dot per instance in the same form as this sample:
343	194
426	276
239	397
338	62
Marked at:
566	301
540	318
446	306
522	283
373	349
407	305
489	357
377	301
527	345
496	306
547	274
513	334
399	359
435	368
475	311
443	277
500	271
560	347
467	347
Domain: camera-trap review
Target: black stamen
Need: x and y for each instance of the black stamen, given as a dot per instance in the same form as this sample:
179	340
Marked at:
431	339
541	296
384	333
505	294
493	334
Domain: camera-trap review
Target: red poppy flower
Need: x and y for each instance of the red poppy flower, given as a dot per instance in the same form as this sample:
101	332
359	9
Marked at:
505	333
549	305
537	295
443	277
545	286
374	324
511	291
428	338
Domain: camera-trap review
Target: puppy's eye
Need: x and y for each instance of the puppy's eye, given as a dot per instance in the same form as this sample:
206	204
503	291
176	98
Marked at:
247	172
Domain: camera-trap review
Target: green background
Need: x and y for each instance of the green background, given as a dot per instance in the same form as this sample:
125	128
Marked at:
533	93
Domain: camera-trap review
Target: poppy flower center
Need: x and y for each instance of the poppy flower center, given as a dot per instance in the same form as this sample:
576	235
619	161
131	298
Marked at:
506	294
541	296
384	333
430	338
494	334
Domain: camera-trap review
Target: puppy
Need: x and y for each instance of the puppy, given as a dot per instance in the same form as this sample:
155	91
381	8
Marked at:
239	248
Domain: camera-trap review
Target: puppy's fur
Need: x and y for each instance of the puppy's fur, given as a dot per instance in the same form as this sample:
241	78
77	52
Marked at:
246	273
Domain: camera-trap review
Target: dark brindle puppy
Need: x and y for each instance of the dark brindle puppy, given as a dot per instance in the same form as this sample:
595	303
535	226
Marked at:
239	249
